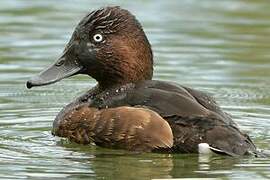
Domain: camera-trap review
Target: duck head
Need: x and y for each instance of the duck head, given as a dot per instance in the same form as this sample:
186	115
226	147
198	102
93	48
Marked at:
109	45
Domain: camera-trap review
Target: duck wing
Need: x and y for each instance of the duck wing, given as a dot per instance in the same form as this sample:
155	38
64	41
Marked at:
167	99
189	132
193	115
209	103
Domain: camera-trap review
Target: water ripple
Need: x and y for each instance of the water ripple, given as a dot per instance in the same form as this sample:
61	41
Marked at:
221	47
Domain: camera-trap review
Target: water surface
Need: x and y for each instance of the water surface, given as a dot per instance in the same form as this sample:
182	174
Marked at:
221	47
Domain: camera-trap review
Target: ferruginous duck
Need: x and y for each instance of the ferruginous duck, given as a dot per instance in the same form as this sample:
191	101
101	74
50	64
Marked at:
127	109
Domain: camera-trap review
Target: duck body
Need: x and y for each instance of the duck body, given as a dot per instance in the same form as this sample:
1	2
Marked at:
194	117
127	109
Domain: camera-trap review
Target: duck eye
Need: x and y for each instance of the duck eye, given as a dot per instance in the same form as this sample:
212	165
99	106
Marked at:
98	37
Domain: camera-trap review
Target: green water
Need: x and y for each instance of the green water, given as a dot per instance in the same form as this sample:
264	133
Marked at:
221	47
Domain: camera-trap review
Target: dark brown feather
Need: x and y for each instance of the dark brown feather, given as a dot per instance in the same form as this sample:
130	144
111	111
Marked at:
123	66
135	129
191	119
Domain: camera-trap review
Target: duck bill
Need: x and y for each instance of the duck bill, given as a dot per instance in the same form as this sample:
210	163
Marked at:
62	68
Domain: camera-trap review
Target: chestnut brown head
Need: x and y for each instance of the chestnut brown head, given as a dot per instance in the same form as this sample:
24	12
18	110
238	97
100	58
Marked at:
108	44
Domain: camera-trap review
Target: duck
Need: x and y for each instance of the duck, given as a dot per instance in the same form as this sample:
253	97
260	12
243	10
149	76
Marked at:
127	109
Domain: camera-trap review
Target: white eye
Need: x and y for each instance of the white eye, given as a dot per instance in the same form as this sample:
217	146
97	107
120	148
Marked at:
98	37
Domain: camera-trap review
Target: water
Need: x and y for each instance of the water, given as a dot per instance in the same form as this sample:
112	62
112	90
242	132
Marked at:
217	46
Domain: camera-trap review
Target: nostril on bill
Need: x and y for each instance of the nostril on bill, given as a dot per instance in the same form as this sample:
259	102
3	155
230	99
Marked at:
60	62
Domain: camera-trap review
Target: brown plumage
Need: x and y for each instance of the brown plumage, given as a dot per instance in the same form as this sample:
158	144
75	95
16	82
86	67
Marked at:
130	61
109	45
135	129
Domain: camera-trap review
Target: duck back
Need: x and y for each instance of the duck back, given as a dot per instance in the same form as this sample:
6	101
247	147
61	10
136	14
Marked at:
193	116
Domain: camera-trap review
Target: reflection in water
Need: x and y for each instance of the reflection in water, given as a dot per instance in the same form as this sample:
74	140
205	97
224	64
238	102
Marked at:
117	164
218	46
203	166
132	165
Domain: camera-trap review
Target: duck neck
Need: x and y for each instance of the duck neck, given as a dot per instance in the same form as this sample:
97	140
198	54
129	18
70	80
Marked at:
112	83
125	75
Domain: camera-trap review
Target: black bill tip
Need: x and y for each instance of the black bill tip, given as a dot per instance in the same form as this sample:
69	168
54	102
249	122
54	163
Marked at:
29	84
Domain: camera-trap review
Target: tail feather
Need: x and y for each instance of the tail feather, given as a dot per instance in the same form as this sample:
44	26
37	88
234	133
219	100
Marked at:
261	153
204	148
